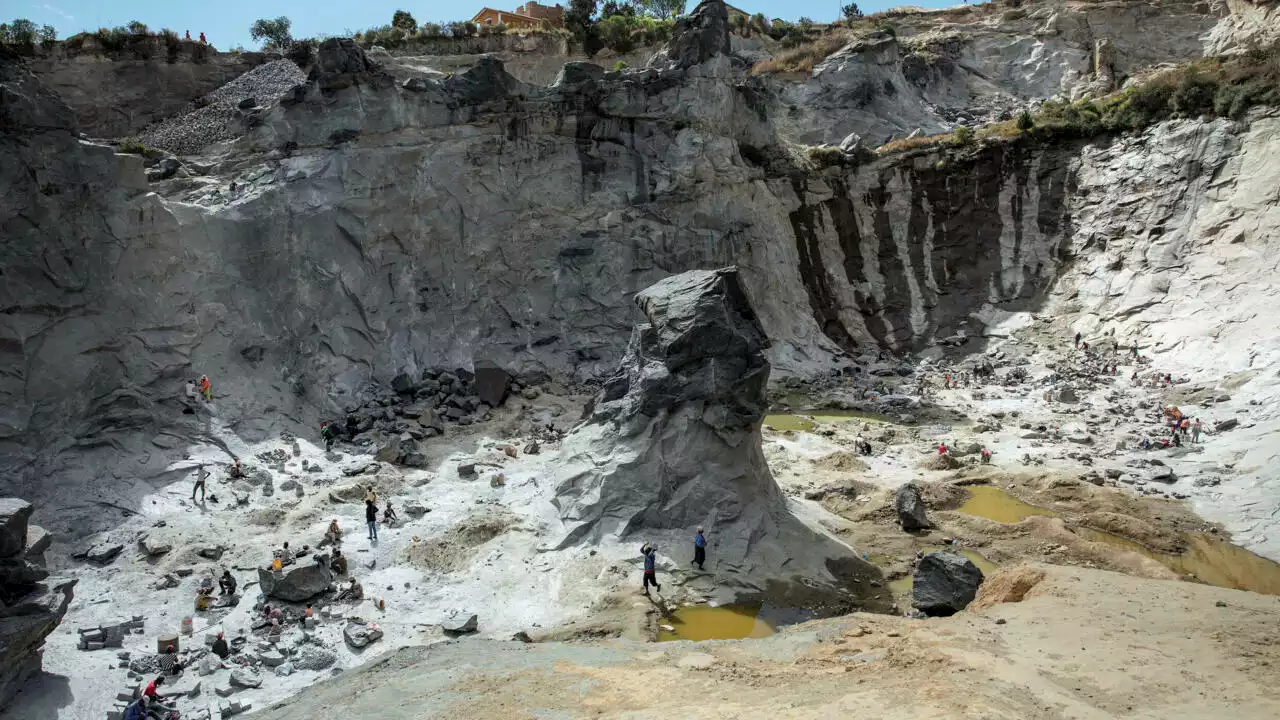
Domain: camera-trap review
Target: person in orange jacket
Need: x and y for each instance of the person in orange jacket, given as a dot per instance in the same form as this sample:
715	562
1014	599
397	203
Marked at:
206	389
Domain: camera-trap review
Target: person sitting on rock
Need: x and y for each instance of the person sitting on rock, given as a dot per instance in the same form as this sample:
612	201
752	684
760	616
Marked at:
354	591
284	554
986	456
236	472
154	700
220	647
389	516
333	536
169	662
192	393
227	583
339	563
943	449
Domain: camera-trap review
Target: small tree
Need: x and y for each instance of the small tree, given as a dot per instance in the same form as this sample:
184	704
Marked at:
403	20
662	9
137	27
577	20
274	32
851	11
19	33
48	35
1025	121
805	22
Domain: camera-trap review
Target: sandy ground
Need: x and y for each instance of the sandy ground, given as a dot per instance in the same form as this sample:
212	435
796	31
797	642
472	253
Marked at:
1082	644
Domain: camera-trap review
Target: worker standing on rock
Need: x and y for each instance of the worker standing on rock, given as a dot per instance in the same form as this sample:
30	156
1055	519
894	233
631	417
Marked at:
650	568
371	517
1196	427
206	388
699	549
327	434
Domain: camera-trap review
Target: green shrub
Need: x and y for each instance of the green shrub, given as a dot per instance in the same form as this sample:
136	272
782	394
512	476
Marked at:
464	29
273	32
114	39
137	27
21	33
1025	121
403	20
48	35
963	135
887	29
620	66
131	145
430	30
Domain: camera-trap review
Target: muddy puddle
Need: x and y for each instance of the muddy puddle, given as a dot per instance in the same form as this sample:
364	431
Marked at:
1207	558
807	420
728	622
993	503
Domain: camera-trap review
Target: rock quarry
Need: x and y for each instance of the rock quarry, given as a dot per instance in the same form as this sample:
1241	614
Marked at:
932	353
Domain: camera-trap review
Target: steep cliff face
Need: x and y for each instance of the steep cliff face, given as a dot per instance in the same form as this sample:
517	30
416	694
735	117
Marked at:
370	225
977	64
113	96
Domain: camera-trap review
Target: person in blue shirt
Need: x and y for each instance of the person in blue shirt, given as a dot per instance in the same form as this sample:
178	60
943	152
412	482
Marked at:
699	549
650	569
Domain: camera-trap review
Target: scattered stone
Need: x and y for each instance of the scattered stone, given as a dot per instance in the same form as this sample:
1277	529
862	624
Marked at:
467	470
246	678
533	448
103	553
413	508
522	636
1224	425
461	625
358	634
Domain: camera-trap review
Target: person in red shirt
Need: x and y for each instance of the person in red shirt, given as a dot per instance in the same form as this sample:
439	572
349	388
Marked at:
942	448
155	701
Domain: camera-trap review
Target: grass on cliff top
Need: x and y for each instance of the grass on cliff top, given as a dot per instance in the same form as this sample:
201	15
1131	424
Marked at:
1222	87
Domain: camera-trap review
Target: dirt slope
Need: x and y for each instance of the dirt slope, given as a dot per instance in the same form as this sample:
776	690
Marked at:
1082	644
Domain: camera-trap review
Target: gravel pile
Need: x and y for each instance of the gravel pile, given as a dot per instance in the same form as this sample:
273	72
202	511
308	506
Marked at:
190	132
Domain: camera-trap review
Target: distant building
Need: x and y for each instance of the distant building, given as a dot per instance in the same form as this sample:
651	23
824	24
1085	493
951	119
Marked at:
528	15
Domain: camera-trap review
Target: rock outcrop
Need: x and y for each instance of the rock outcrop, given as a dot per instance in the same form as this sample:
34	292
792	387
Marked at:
32	603
672	442
944	583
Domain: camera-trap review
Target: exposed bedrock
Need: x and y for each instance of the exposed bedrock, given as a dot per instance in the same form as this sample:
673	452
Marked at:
672	442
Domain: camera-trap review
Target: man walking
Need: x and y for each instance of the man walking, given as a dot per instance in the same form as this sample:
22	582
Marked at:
371	517
699	549
650	568
201	476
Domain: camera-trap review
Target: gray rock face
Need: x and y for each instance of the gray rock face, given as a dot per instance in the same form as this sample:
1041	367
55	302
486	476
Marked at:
14	515
673	440
340	63
912	514
298	582
944	583
33	603
697	37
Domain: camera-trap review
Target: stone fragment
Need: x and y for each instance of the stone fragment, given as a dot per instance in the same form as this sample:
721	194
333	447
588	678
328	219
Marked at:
912	514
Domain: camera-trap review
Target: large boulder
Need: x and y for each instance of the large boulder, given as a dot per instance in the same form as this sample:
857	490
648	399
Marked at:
461	624
697	37
492	383
298	582
340	63
14	514
944	583
910	508
672	441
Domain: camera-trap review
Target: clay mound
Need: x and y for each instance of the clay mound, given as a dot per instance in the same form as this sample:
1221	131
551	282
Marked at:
1007	585
940	462
1136	529
454	550
841	462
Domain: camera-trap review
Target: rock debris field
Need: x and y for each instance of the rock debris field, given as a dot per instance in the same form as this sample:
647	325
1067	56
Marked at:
191	132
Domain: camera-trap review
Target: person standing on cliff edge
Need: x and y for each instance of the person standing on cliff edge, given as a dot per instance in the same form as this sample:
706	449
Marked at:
650	568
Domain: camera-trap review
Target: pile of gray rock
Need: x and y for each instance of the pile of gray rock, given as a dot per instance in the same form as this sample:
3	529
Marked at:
217	115
32	603
413	409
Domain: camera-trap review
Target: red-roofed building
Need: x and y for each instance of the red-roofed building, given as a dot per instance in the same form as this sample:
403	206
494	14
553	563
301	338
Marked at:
528	15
